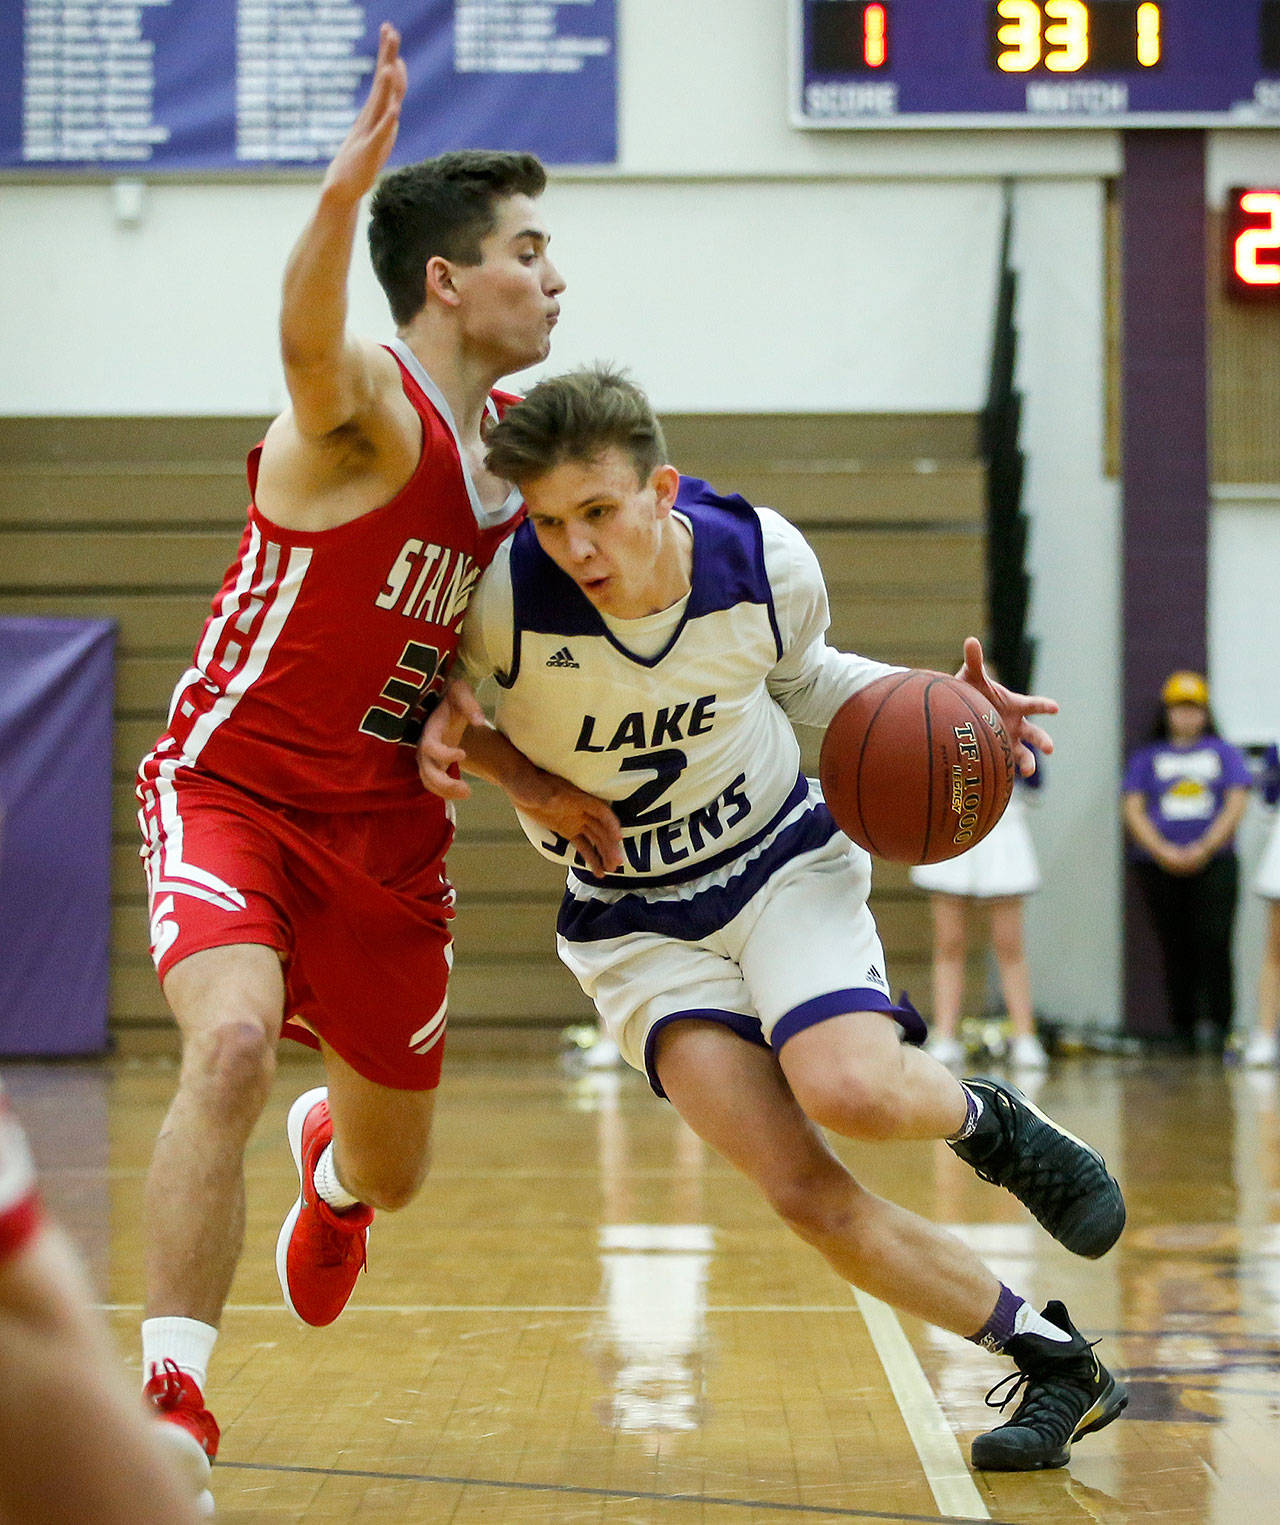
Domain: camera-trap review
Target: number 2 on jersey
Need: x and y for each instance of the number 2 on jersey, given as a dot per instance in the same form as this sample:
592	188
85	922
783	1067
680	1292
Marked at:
635	809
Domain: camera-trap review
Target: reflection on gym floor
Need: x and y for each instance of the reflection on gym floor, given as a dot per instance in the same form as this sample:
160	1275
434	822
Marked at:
588	1316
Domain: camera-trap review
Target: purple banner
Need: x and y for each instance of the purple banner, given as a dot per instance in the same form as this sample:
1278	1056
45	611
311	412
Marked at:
257	84
56	691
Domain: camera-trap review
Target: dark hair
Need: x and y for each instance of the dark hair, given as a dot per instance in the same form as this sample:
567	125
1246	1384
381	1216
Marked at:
442	206
576	417
1160	724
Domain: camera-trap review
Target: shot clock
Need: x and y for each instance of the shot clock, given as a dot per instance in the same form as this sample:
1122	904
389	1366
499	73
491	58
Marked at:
1052	63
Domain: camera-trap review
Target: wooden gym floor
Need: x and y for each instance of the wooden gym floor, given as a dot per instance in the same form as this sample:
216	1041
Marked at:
585	1317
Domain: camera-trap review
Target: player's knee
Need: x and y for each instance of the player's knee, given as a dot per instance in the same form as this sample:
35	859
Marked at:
949	945
233	1066
1007	946
852	1102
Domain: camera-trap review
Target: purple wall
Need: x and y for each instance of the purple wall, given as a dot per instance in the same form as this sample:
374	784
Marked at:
1166	470
56	692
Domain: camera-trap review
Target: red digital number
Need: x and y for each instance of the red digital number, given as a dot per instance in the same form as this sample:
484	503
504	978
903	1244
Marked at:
1253	242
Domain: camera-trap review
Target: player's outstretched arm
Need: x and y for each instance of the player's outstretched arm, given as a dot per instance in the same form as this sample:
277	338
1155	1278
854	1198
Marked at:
330	375
1014	709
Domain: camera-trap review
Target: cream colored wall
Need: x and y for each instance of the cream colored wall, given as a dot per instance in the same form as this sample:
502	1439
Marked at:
735	263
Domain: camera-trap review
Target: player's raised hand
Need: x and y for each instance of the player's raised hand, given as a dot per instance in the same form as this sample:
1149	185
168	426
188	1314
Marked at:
439	748
1013	709
367	147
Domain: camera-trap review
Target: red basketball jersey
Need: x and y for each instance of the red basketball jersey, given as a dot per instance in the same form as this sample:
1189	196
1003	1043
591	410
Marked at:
323	650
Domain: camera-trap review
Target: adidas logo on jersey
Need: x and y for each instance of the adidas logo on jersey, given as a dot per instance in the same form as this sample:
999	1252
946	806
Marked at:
562	658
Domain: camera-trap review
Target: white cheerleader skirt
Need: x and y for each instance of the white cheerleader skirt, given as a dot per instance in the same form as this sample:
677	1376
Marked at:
1002	864
1268	880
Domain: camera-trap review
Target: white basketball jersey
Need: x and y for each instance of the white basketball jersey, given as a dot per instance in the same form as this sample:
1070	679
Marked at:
693	746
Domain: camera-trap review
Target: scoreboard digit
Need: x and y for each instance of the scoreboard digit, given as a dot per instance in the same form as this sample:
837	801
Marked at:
1252	255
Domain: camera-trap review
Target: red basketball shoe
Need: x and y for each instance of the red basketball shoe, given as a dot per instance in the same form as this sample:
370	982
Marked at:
320	1252
188	1430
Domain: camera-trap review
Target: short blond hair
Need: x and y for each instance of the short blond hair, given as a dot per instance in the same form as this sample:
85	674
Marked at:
576	417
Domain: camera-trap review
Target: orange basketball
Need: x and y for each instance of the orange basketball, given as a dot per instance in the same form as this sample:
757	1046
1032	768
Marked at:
916	767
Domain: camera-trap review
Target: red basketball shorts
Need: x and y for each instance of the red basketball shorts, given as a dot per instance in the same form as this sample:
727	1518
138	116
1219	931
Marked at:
20	1215
357	905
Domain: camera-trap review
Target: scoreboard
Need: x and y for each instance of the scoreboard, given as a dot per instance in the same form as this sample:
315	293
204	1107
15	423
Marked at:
1036	63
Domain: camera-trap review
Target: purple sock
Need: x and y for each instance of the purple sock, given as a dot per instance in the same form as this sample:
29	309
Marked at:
998	1329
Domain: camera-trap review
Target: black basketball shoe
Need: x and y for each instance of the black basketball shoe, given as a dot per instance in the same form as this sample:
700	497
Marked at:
1068	1393
1059	1179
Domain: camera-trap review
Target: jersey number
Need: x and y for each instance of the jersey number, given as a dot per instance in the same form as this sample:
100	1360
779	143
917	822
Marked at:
407	697
635	809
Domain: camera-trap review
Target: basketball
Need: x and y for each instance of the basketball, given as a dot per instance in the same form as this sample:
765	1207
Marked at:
916	767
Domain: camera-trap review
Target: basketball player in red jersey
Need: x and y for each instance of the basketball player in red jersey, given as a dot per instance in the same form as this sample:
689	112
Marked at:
74	1444
294	862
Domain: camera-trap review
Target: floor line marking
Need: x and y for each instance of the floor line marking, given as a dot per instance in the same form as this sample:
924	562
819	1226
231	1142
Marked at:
952	1486
1265	1338
702	1499
421	1308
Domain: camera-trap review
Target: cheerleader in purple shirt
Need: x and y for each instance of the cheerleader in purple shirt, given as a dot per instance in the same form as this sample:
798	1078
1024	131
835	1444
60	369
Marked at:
1184	794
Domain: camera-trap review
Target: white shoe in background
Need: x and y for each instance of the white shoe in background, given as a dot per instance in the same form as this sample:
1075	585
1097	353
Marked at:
945	1049
1026	1052
1260	1050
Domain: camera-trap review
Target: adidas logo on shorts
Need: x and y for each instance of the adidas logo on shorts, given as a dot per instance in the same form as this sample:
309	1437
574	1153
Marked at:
562	658
874	975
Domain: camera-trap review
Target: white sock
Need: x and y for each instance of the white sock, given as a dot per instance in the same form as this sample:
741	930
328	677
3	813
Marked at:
185	1341
328	1187
1028	1321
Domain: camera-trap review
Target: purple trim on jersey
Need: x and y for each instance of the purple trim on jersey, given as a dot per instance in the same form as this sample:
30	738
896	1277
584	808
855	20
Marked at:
728	569
799	792
745	1027
732	571
1144	776
703	914
809	1013
840	1003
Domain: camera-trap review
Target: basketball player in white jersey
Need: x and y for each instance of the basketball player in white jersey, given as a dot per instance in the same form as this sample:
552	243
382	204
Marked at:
653	643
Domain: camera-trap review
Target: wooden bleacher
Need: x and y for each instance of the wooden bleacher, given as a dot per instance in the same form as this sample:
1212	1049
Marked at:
137	519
